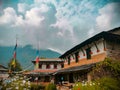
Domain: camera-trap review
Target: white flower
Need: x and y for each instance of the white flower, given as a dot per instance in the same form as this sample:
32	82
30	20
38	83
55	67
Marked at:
83	84
17	87
76	84
93	83
90	84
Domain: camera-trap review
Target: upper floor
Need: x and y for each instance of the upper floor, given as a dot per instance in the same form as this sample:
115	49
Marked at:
49	64
94	49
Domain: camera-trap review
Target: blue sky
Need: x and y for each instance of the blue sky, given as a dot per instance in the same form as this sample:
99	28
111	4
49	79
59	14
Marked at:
55	24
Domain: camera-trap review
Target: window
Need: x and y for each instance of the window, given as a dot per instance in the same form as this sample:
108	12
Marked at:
88	53
40	66
48	66
55	66
62	65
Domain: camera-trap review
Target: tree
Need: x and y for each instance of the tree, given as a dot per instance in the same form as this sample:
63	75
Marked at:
14	65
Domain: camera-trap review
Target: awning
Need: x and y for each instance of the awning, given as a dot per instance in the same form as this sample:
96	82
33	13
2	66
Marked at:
73	69
40	72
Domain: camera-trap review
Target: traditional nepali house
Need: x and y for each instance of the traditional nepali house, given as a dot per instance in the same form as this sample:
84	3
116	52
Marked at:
45	68
79	60
3	72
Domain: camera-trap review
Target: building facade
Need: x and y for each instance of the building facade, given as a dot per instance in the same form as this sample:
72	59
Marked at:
79	60
3	72
45	69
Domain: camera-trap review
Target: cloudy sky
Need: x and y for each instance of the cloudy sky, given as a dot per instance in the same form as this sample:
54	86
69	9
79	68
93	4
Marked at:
55	24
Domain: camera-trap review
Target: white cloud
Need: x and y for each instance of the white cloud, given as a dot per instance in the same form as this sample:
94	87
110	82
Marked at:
109	16
65	29
63	24
43	8
58	25
8	16
91	32
34	17
50	22
22	7
56	50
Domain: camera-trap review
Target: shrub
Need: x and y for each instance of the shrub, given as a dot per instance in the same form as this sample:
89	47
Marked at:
86	86
108	68
107	83
51	86
37	87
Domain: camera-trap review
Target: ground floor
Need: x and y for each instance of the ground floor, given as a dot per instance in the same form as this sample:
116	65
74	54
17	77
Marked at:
64	77
73	74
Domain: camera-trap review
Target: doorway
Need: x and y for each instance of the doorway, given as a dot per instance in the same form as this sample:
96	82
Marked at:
71	78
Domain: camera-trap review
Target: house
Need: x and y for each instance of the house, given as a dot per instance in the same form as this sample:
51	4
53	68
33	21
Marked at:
3	72
45	69
79	60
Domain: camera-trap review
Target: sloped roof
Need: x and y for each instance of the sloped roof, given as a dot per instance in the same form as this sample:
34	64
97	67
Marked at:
105	35
49	60
3	68
41	72
76	68
115	29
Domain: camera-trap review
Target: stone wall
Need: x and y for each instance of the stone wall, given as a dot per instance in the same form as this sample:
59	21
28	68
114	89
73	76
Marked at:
113	49
116	31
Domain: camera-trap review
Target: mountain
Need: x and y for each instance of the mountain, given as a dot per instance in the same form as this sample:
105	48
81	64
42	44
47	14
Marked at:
24	55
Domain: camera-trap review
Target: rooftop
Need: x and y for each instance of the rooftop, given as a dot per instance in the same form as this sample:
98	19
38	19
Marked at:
106	35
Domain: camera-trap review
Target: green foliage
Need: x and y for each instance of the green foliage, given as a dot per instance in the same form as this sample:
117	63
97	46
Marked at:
107	83
37	87
15	84
106	68
51	86
20	83
107	73
86	86
17	66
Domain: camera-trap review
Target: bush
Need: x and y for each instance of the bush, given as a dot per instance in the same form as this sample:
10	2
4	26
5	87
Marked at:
86	86
37	87
107	83
51	86
108	68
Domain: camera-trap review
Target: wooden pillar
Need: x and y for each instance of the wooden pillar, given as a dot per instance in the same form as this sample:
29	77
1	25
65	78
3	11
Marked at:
68	60
97	47
83	52
68	77
89	77
104	45
76	57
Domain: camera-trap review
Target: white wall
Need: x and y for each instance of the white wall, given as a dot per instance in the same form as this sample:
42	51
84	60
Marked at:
52	66
43	66
58	66
100	47
99	44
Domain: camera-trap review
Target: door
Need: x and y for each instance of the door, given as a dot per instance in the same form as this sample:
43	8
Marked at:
71	78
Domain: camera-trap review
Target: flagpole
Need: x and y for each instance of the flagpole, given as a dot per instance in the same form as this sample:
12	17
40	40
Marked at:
15	53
